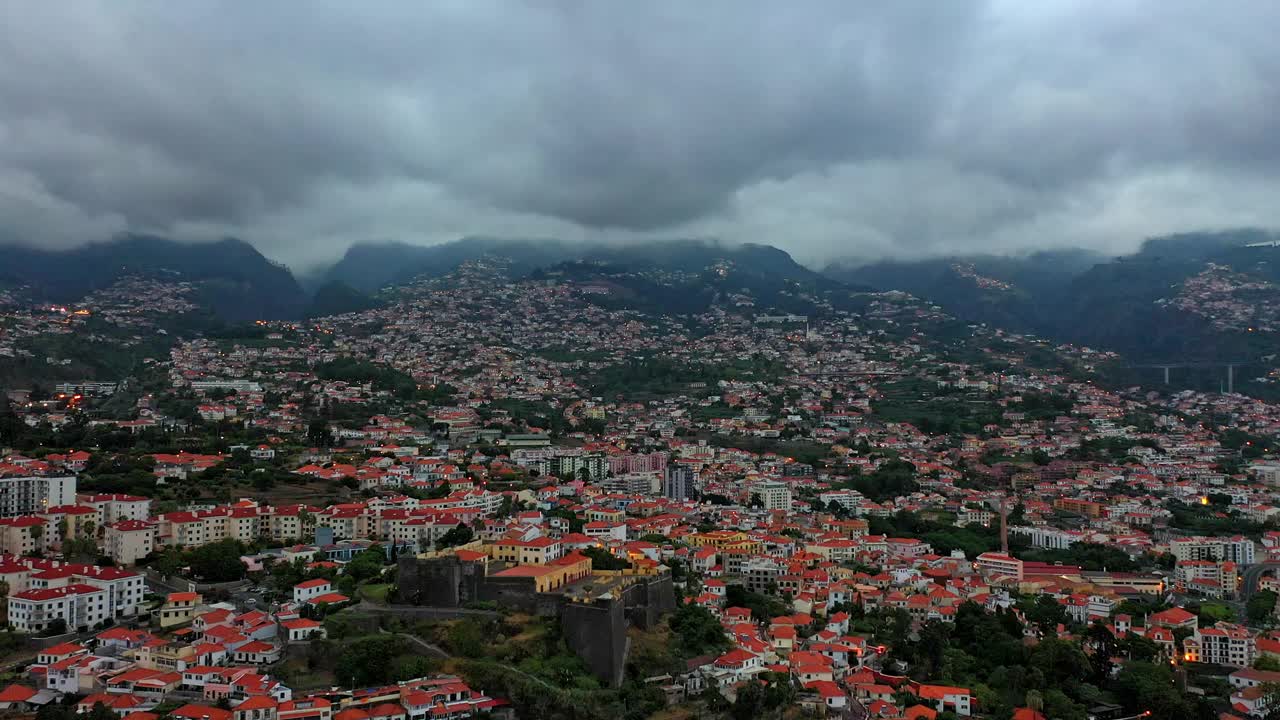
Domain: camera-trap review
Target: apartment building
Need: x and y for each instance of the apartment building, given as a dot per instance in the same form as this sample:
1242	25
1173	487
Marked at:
1222	644
24	535
537	551
1237	549
1047	537
774	494
128	541
1213	578
80	606
993	564
112	508
30	495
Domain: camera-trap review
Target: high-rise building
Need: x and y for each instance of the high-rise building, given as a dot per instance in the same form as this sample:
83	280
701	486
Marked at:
631	483
1237	549
29	495
773	494
678	483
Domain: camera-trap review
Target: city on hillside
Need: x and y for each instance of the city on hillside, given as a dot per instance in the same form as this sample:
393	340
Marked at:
489	497
639	360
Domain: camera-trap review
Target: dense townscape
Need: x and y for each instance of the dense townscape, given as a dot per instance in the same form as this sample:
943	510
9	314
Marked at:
496	497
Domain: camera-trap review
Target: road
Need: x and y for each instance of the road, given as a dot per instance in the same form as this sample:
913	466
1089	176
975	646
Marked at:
423	612
443	654
1252	575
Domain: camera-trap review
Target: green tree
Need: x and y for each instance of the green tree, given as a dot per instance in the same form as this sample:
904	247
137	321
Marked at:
1143	686
602	559
319	435
100	712
409	667
696	631
1261	607
465	638
368	564
1045	613
1103	647
368	660
218	561
1059	706
1061	660
1136	647
460	535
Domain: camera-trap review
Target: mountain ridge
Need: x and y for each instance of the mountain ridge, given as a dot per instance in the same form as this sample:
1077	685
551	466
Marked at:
231	276
1170	301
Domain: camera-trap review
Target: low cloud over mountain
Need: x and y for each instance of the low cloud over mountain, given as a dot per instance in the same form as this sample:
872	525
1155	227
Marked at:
830	129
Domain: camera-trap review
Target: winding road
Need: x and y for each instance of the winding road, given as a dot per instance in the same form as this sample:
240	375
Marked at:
1251	575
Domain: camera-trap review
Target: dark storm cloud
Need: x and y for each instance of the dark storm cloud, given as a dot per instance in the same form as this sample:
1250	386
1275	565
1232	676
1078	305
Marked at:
833	129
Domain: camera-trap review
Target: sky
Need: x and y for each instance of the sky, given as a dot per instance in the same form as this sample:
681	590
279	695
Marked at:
839	131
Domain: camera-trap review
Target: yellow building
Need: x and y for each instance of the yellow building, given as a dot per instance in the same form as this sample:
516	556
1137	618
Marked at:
69	521
1088	508
553	575
725	541
608	515
168	657
538	551
854	528
179	608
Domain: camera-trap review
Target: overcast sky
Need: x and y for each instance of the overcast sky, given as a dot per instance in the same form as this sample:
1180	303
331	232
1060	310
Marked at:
830	129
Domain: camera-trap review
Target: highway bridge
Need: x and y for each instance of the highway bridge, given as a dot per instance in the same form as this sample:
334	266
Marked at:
1251	575
1229	365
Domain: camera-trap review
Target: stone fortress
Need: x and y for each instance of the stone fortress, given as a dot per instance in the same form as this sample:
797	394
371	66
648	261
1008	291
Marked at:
594	607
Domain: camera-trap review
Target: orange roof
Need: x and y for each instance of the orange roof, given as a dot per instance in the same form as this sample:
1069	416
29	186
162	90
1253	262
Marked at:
16	693
65	648
920	712
257	702
527	571
201	712
937	692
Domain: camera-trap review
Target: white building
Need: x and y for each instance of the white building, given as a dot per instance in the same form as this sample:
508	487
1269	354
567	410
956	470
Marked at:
126	590
1047	537
30	495
304	591
302	629
128	541
994	564
1237	549
850	500
775	495
1222	644
632	483
113	508
237	385
80	606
